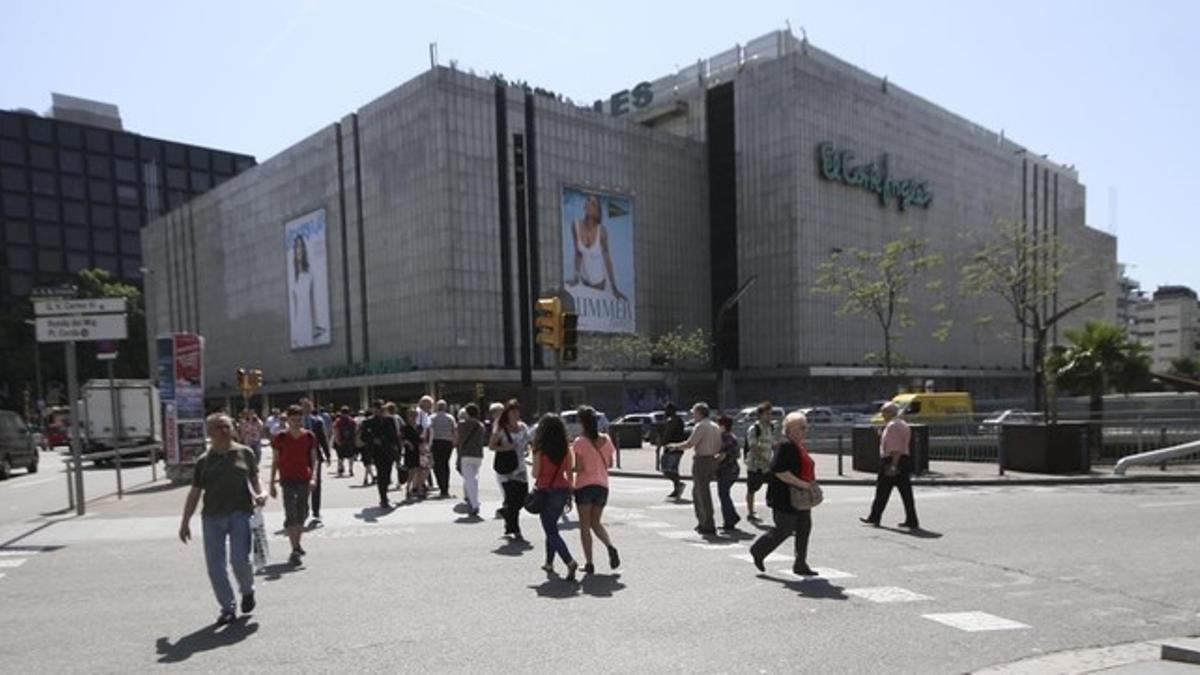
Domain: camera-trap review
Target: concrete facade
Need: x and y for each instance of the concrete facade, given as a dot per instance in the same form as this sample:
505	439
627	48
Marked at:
1169	325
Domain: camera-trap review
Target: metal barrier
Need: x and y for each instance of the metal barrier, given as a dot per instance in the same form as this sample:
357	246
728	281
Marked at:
1157	456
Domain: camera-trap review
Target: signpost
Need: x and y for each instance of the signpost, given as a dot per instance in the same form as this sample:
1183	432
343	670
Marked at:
60	317
107	351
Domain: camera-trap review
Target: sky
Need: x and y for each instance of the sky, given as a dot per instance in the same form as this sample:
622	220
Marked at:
1110	87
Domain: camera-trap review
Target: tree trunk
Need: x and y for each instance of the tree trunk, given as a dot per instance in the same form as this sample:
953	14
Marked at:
887	352
1039	371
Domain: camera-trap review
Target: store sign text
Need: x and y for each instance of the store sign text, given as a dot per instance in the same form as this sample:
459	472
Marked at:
385	367
619	103
838	165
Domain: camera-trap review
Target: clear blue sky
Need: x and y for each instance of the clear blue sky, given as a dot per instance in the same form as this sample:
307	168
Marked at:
1110	87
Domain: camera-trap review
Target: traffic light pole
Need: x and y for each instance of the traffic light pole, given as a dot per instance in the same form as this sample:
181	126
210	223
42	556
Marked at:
76	448
558	381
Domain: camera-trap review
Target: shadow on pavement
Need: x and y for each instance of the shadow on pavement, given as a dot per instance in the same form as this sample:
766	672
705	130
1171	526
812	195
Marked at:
812	587
276	571
371	514
739	535
601	585
469	520
153	488
917	532
209	637
514	548
557	588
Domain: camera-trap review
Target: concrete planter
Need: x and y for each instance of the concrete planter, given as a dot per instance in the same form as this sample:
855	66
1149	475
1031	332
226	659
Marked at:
1063	447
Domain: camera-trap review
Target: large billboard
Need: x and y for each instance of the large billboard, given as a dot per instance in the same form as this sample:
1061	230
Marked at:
598	259
307	280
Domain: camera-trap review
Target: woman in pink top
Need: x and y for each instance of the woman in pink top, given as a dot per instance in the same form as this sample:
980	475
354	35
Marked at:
593	453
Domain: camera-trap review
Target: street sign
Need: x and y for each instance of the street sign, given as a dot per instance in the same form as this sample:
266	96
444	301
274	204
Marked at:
59	291
81	328
86	306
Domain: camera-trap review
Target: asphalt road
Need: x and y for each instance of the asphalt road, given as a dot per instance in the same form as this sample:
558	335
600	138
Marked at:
1003	573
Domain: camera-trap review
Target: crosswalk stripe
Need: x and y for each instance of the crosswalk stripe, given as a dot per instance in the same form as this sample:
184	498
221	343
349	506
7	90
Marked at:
12	562
774	557
651	524
887	594
731	546
19	551
823	572
974	622
678	534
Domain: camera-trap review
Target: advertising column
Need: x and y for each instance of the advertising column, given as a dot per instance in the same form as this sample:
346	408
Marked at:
181	389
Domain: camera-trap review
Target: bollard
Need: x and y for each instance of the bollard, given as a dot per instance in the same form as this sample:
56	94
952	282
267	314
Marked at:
840	473
70	487
658	458
618	455
1000	454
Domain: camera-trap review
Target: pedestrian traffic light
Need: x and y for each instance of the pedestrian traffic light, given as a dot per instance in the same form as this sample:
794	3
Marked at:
479	391
570	337
256	378
241	379
549	323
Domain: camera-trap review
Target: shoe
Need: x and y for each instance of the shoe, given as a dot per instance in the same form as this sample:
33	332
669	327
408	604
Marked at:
589	569
226	617
758	562
518	538
804	571
614	558
911	526
301	551
294	559
868	521
315	523
753	517
571	568
727	529
385	505
499	514
548	568
248	603
706	531
474	513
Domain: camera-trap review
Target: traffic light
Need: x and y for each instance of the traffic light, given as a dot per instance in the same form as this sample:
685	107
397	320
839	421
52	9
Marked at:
479	391
570	337
241	379
256	378
549	323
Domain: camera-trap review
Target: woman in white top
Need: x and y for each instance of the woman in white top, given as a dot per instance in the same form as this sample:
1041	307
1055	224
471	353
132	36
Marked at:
305	330
593	262
510	440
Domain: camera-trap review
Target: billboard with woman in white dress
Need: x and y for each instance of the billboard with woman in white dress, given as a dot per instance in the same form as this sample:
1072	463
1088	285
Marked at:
307	280
598	259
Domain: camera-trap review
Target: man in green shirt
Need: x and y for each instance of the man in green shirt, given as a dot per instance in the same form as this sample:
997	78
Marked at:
227	477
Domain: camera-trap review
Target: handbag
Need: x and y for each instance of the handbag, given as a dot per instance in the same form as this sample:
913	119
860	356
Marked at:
805	499
506	462
535	501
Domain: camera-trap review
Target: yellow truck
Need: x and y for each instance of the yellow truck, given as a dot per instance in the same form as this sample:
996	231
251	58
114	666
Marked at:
941	408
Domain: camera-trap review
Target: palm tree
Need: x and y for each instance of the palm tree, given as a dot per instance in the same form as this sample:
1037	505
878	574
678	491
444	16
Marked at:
1097	359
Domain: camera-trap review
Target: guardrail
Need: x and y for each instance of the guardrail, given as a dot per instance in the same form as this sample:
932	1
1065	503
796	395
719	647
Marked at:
1162	456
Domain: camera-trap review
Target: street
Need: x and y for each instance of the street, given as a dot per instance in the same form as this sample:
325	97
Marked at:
1002	573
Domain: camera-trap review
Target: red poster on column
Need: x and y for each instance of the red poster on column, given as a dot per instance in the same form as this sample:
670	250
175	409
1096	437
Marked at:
188	363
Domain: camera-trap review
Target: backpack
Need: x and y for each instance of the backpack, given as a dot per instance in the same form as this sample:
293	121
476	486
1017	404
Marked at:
345	432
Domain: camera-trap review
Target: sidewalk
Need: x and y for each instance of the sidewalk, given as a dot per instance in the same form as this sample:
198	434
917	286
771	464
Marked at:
637	463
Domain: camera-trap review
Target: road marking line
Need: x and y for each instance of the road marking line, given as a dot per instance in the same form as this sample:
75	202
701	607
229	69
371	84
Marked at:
974	622
19	551
830	573
678	534
670	507
887	594
774	557
18	486
12	563
651	524
731	546
1161	505
1	575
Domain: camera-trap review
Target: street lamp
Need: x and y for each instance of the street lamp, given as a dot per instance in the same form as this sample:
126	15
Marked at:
718	334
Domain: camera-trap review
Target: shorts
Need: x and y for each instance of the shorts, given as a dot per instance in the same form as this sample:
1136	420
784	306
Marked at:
345	451
592	494
295	502
412	458
755	480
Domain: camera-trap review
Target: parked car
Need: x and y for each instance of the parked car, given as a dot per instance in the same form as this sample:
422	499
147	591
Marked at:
571	419
16	445
820	415
644	420
1010	416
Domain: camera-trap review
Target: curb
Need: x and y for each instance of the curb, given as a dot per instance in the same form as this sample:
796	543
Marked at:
970	482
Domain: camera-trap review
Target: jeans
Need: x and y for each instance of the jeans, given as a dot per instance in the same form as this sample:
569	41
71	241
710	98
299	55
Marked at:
316	491
383	475
798	523
883	490
470	474
725	481
556	501
515	492
704	469
442	449
235	526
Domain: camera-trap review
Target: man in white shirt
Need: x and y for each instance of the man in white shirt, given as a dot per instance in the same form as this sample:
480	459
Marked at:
705	441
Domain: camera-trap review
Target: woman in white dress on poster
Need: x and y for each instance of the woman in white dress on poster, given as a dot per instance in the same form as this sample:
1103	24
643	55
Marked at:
305	330
593	262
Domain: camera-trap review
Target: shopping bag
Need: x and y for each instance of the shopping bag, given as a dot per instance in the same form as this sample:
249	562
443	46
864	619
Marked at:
258	537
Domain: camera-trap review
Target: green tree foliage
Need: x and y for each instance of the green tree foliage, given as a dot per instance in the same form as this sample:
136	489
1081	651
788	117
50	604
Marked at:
673	350
878	283
1024	271
1186	367
131	352
1098	359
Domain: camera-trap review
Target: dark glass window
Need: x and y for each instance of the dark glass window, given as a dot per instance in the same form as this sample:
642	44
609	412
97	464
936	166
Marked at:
44	183
97	140
198	158
201	181
108	263
126	170
222	163
127	194
124	145
71	187
102	216
77	238
19	258
98	166
104	241
70	161
50	261
16	207
129	220
130	244
176	179
243	163
131	268
45	208
100	191
10	125
148	149
77	262
16	232
73	213
176	154
20	284
176	198
40	130
12	178
49	235
69	136
41	157
12	152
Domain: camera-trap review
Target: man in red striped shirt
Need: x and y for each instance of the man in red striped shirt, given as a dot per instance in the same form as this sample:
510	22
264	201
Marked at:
294	462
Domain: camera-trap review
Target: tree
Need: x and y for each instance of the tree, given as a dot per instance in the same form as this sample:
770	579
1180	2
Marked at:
131	352
673	350
1024	272
878	283
1186	367
1098	358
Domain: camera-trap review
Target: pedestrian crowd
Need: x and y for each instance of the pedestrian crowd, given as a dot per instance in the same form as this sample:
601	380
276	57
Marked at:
416	445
